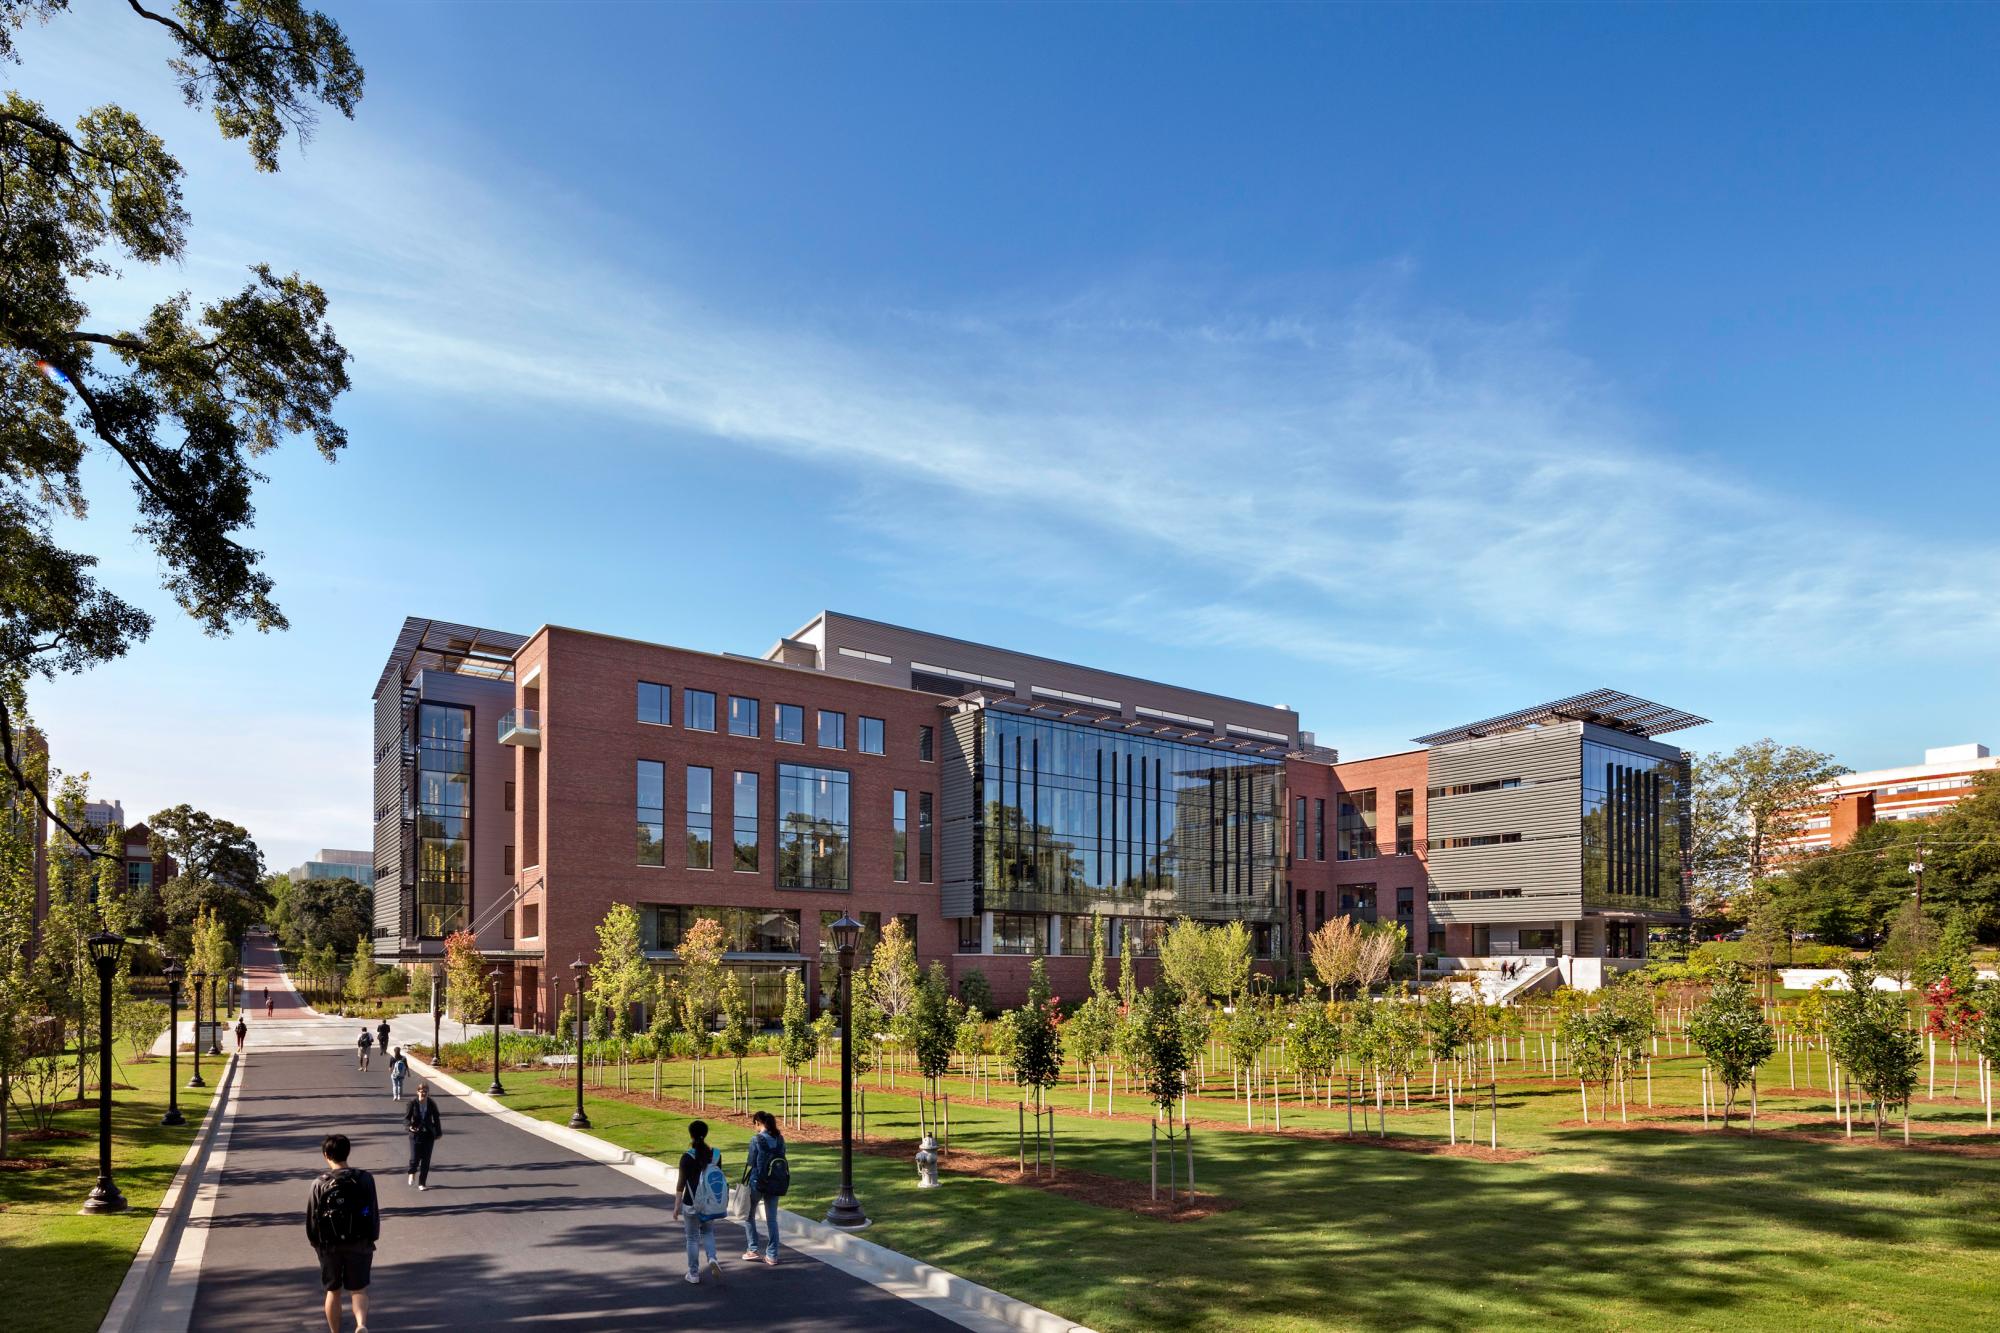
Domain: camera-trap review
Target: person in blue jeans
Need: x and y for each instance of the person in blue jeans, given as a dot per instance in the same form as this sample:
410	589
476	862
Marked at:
700	1230
768	1147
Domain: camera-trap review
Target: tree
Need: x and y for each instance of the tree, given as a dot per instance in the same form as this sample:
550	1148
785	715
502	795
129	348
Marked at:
1730	1029
19	855
186	401
1336	953
361	974
893	976
737	1030
796	1042
466	993
1746	804
1869	1032
933	1030
1038	1048
1381	946
1162	1046
327	911
974	992
1187	961
700	953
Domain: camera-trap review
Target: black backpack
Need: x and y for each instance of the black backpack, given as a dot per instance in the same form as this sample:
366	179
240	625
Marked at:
342	1209
776	1178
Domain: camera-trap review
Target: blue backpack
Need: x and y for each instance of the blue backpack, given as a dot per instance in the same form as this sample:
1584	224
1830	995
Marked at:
711	1190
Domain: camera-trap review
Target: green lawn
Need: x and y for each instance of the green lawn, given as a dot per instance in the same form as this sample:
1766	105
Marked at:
1601	1228
59	1270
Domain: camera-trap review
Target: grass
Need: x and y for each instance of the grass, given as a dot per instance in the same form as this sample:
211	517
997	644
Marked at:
1601	1228
59	1270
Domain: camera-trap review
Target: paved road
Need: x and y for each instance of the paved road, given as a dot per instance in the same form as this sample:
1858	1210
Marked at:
513	1230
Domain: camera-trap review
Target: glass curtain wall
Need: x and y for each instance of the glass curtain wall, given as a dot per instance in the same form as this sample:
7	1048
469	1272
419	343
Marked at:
1635	812
812	827
444	819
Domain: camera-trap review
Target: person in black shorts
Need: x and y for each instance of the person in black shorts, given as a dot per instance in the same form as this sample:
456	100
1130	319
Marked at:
343	1223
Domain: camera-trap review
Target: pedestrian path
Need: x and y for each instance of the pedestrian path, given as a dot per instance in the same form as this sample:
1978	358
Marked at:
514	1229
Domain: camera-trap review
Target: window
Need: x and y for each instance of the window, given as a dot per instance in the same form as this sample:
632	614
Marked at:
925	751
531	921
969	932
1299	828
1359	902
1473	840
1471	788
139	874
508	795
1357	826
744	929
1020	932
881	659
652	813
1319	828
1406	822
924	869
507	859
788	724
742	715
1319	908
832	730
698	710
871	735
899	849
656	704
507	927
812	827
1406	905
1539	939
700	817
746	821
444	819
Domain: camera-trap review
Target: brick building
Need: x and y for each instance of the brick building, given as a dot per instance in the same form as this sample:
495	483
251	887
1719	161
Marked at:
1853	801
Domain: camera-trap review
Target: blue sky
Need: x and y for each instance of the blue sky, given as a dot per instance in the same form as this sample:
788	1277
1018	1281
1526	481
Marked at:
1402	365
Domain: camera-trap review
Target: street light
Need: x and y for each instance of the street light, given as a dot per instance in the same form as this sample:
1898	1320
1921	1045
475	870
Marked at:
172	972
104	950
196	978
215	979
846	1210
437	1017
577	1119
496	1090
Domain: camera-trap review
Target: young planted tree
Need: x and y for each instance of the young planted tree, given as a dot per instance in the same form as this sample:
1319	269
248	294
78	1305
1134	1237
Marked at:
1732	1034
466	993
1163	1055
893	975
1336	954
796	1045
1870	1033
620	978
933	1024
700	953
361	973
1038	1056
1316	1045
665	998
737	1030
1381	945
1246	1033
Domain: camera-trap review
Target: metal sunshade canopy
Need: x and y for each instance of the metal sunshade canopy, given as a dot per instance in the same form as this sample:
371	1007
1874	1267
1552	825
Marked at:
1607	708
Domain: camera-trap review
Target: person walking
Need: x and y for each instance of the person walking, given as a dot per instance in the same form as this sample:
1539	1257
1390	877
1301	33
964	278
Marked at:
242	1031
270	1007
769	1177
703	1197
399	1069
425	1127
361	1047
382	1035
343	1223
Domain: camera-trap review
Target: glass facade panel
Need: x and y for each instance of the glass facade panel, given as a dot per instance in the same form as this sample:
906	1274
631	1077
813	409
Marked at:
700	818
1356	830
1299	828
656	703
746	822
870	737
788	723
1319	828
652	802
1075	818
444	819
1020	932
698	710
899	846
743	715
926	745
812	827
744	929
1406	822
1635	813
832	730
969	931
926	867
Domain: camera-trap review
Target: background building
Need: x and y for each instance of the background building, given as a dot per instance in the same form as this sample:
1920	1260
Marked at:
337	863
141	868
1915	791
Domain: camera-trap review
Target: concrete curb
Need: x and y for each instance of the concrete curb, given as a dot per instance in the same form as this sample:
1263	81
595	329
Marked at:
944	1293
140	1293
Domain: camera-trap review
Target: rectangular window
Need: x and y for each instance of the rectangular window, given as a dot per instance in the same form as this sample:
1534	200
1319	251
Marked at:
1406	822
788	724
925	869
871	735
700	817
444	819
812	827
1363	901
925	751
743	715
507	927
531	921
832	730
1020	932
746	821
1319	828
698	710
899	854
507	859
1299	828
139	874
656	704
1406	905
1319	908
508	795
652	813
1357	826
969	931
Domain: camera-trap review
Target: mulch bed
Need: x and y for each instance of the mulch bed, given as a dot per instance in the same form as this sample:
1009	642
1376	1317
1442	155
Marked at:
26	1164
47	1135
1828	1131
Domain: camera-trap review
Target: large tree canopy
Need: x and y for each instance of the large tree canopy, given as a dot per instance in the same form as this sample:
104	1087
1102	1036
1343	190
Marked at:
208	848
1746	802
191	397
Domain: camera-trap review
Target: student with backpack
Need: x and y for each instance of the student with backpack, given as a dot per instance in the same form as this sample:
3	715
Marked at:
361	1046
242	1031
425	1127
701	1200
343	1223
399	1069
768	1176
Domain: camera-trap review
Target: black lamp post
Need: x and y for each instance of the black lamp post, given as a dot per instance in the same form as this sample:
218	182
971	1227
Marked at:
196	978
496	1090
104	950
437	1015
846	1209
172	972
215	980
577	1119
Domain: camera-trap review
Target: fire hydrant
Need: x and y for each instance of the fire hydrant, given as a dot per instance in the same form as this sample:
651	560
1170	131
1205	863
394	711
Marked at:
927	1162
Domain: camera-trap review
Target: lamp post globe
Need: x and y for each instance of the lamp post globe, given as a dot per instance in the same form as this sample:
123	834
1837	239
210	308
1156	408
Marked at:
846	1210
196	979
105	948
495	1090
172	973
577	1119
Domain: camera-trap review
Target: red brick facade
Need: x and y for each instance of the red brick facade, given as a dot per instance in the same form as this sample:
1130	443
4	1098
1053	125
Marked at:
1321	883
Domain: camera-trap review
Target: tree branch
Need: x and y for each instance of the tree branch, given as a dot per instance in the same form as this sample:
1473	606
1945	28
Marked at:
21	779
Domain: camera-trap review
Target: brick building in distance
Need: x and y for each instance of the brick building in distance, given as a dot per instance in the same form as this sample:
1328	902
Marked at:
996	801
1853	801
